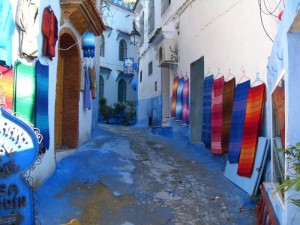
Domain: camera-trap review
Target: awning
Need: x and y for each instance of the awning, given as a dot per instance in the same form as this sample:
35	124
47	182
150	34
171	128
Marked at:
83	14
105	71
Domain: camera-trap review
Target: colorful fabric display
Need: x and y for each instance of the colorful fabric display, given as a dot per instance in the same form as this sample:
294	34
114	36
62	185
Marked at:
50	32
6	88
41	109
178	114
237	121
278	97
228	96
93	82
185	103
7	28
25	91
206	115
174	96
87	90
216	115
254	111
27	21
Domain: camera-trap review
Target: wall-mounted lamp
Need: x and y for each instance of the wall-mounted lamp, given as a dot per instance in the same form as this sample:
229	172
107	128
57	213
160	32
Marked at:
134	35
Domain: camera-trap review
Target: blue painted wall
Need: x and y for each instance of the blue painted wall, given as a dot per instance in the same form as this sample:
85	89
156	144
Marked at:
285	59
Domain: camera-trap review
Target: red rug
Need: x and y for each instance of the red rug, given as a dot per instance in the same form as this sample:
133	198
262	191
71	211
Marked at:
254	112
216	115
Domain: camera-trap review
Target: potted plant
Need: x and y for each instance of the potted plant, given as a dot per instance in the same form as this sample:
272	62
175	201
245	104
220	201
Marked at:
292	179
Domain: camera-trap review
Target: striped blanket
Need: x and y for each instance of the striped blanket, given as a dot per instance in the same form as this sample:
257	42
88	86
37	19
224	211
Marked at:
174	95
237	122
6	87
178	114
254	111
206	114
24	101
185	103
41	108
216	115
228	96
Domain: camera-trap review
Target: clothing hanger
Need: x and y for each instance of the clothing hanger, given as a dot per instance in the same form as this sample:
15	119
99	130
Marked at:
208	72
243	76
50	9
257	79
219	74
229	76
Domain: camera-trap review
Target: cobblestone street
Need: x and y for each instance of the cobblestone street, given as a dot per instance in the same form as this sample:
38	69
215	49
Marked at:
129	175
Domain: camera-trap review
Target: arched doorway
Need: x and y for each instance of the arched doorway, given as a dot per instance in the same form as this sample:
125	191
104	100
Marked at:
67	92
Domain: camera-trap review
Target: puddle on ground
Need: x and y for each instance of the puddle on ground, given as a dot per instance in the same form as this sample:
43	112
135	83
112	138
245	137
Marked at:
101	205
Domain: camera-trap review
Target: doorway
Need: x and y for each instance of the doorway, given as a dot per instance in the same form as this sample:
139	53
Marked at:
196	100
67	92
166	109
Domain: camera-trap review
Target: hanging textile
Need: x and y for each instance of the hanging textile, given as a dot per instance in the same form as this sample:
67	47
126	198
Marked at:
228	96
93	82
237	122
27	21
174	95
178	114
87	90
278	97
25	91
50	32
254	111
6	88
7	27
206	114
216	115
185	103
41	109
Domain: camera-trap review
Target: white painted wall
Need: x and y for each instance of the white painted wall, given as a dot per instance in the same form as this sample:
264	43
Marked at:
117	18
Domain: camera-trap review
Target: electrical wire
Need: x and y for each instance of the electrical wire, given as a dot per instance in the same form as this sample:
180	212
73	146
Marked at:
262	22
271	13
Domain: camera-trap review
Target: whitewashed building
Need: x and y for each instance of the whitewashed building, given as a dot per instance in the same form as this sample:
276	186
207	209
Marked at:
116	85
69	122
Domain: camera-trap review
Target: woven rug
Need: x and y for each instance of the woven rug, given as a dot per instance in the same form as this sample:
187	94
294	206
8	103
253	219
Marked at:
185	103
178	112
25	91
174	95
6	87
228	96
254	111
41	108
206	113
237	121
216	115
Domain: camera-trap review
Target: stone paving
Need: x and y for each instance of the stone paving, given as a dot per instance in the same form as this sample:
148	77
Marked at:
130	175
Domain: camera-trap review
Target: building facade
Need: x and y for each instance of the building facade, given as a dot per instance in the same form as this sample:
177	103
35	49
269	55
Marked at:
117	54
48	62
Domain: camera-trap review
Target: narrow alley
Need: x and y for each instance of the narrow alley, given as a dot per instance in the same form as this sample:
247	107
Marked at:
132	175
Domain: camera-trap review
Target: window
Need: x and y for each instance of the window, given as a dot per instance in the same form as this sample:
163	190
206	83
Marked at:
141	76
155	86
150	68
122	50
101	87
151	16
164	5
102	45
141	23
122	91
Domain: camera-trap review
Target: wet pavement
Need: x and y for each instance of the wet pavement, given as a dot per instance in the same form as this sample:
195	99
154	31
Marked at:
132	175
